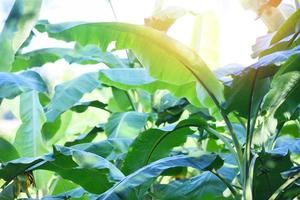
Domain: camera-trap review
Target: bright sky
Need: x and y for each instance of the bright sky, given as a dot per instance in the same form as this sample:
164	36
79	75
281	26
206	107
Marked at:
236	27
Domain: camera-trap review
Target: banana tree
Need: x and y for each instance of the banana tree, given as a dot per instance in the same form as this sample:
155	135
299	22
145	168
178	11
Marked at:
158	124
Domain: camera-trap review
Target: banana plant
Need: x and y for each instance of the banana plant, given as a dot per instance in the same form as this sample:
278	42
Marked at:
158	124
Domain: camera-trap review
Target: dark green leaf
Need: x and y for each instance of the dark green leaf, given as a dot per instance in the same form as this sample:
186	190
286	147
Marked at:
267	178
147	173
154	144
85	138
10	151
83	106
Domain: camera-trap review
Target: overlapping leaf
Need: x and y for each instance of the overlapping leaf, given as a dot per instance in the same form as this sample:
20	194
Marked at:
17	28
154	144
166	59
69	93
147	173
12	85
125	125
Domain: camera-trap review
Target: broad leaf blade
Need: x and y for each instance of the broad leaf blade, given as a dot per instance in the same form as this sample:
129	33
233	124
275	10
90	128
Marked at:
147	173
287	28
136	78
12	85
69	93
10	151
18	25
166	59
154	144
28	139
81	55
125	125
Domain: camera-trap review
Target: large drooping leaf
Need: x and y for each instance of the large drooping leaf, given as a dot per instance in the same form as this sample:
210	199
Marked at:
78	166
138	78
17	27
10	151
267	178
166	59
287	28
250	84
245	93
154	144
69	93
81	55
11	169
83	168
203	186
12	85
125	125
282	100
146	174
28	139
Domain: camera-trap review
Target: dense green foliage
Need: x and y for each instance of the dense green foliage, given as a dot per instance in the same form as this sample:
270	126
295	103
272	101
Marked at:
158	124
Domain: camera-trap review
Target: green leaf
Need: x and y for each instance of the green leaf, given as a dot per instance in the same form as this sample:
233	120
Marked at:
267	178
199	187
282	100
83	106
287	144
146	174
138	78
60	185
11	169
17	28
122	100
69	93
75	165
54	132
10	151
111	149
166	59
83	168
28	139
287	28
76	193
154	144
85	138
12	85
125	125
246	92
253	82
82	55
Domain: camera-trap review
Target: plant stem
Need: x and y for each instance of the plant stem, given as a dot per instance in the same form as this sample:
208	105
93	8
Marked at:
112	9
240	120
249	135
230	187
227	121
284	186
